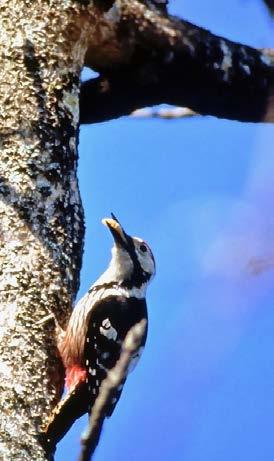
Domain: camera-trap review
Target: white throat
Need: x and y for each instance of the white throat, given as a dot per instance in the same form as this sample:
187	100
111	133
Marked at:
111	276
120	269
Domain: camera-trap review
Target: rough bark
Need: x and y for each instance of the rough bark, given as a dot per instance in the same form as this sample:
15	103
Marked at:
150	58
42	46
142	55
41	227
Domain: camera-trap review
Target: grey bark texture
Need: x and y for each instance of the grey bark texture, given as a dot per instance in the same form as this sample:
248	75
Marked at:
41	218
43	45
154	58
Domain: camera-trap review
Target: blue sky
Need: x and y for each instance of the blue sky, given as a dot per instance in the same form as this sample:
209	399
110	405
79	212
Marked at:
201	192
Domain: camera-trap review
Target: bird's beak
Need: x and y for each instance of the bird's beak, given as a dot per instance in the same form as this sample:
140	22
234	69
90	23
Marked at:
118	233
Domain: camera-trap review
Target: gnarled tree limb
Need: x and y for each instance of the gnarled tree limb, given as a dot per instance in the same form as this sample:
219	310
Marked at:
150	59
168	113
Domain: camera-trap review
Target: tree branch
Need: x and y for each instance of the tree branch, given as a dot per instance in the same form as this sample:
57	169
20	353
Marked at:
169	113
160	59
109	387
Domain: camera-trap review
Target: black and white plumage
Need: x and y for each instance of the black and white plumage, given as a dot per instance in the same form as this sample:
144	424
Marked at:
91	345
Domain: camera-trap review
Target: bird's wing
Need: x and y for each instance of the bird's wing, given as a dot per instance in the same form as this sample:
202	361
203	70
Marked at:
108	325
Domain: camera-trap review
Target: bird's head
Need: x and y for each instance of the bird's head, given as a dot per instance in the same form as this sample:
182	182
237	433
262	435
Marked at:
132	264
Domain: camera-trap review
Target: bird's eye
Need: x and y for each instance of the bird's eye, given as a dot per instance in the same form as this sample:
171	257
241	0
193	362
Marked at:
143	248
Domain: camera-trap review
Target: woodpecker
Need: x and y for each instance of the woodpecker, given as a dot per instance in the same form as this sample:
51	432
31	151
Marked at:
91	344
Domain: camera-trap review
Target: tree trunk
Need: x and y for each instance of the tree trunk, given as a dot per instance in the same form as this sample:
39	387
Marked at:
43	45
41	229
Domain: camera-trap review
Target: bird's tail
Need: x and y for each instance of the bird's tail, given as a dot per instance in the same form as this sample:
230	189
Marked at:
69	409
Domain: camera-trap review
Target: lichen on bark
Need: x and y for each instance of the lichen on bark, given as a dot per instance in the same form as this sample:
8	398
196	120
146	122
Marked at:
42	47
